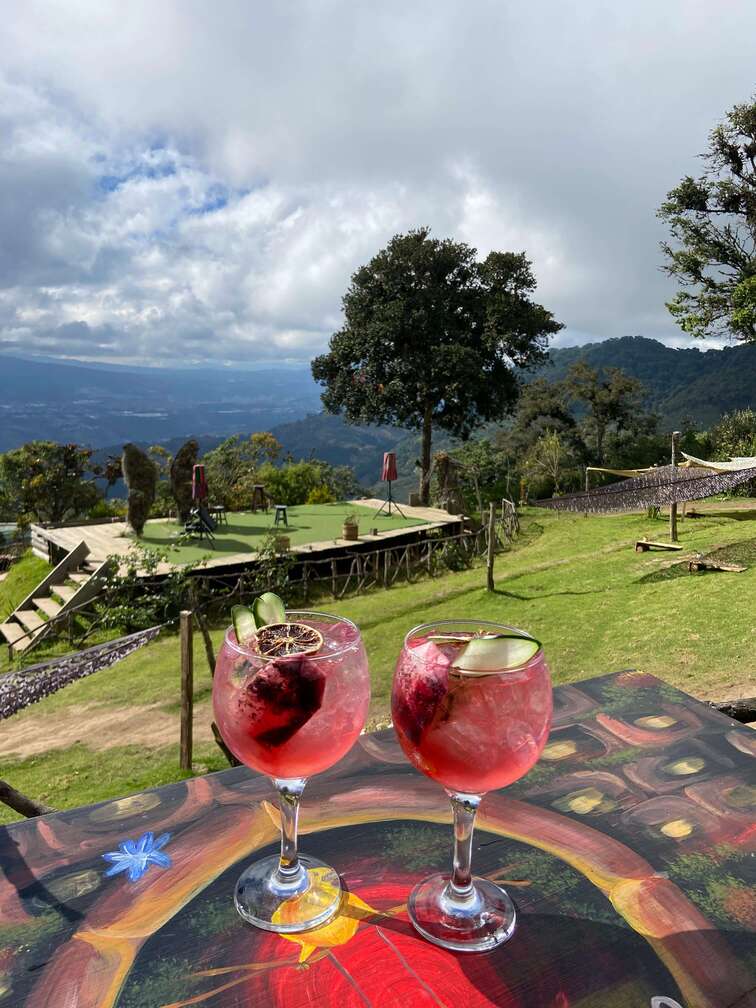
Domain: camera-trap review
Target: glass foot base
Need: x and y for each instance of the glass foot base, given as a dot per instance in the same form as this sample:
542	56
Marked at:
306	901
485	920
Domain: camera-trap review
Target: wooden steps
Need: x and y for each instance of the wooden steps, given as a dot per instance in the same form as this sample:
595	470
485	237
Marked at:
73	583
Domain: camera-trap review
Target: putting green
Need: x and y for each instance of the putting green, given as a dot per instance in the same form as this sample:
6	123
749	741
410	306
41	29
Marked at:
308	523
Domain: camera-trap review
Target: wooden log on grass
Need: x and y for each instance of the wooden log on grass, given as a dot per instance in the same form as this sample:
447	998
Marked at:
646	544
702	563
20	803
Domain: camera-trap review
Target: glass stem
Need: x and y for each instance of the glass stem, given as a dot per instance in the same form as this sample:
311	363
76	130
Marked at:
464	807
289	792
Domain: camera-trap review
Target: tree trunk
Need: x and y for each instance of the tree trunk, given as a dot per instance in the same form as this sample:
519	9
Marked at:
425	457
600	432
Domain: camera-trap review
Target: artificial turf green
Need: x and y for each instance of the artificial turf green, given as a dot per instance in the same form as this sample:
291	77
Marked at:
245	531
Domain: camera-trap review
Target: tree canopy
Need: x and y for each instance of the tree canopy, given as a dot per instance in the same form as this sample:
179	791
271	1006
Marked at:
47	481
712	223
432	337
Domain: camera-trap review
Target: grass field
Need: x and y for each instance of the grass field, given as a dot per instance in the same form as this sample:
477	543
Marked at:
22	578
577	583
308	523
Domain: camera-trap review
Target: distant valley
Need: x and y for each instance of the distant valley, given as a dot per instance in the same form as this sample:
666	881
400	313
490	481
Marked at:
106	406
100	406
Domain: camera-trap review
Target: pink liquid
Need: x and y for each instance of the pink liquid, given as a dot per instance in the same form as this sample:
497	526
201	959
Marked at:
293	717
471	734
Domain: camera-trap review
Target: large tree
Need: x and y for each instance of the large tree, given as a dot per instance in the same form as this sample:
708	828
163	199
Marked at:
432	337
543	407
47	481
712	221
612	402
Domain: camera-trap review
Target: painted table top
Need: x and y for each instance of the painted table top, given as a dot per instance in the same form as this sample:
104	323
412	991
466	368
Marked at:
629	851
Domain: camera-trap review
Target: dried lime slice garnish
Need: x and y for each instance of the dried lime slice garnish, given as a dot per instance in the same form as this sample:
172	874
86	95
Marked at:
288	640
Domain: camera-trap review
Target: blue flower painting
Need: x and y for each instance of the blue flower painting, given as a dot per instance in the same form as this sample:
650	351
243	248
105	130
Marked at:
136	856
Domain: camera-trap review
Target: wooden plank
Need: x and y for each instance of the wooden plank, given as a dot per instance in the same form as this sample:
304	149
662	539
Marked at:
29	618
702	563
646	544
64	592
11	631
47	606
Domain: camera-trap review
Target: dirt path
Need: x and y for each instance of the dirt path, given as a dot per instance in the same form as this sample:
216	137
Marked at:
99	727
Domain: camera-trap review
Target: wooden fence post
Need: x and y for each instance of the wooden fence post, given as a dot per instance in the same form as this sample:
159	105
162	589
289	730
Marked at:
673	504
187	689
334	581
491	547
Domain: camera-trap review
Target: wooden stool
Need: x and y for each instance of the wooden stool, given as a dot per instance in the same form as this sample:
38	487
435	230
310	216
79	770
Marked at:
259	497
281	515
218	512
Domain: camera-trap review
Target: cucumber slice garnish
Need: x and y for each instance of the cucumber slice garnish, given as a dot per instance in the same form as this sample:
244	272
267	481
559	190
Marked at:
268	608
491	653
244	622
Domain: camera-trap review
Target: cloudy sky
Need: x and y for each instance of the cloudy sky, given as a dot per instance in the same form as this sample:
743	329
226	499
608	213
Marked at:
184	180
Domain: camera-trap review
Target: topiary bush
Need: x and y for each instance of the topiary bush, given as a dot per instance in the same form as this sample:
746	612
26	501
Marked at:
181	478
140	475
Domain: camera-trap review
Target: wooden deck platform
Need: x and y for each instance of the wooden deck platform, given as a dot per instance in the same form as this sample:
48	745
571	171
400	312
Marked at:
111	539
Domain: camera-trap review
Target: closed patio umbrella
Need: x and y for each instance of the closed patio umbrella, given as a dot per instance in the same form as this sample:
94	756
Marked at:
199	483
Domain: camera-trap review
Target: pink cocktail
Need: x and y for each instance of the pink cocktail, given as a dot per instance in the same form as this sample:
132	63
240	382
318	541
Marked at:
471	705
292	716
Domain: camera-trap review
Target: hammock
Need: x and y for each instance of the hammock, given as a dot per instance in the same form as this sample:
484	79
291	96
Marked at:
655	487
733	465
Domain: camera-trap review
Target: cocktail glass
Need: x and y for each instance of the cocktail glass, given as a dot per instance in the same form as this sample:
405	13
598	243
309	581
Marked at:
472	731
290	718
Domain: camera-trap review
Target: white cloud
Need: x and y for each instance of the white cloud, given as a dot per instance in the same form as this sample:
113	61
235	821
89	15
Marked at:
180	179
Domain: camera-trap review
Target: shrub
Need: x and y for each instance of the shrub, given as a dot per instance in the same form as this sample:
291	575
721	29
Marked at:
113	508
320	495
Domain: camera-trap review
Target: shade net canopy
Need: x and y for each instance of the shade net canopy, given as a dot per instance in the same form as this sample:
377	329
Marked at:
655	487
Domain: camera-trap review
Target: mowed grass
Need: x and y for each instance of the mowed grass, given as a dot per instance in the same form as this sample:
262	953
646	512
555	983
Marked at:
21	579
245	531
576	583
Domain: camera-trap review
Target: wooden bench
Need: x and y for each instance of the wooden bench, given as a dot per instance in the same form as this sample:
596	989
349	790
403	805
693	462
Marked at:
646	544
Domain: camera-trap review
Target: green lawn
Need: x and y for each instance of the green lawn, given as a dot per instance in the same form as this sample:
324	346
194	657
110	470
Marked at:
20	580
576	583
245	531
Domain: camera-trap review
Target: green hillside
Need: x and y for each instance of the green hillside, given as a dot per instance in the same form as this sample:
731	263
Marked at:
680	384
597	605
